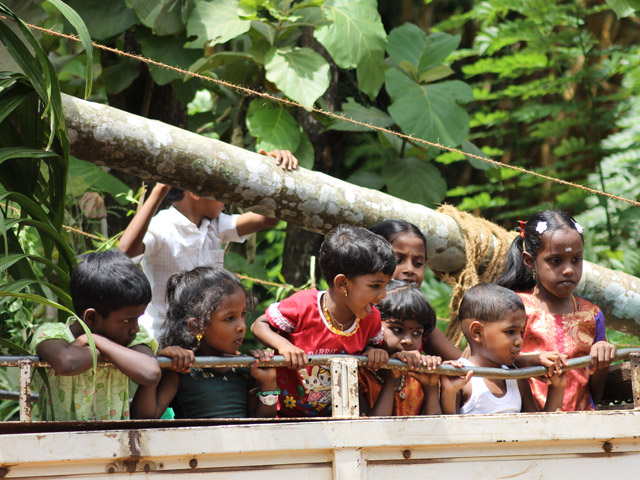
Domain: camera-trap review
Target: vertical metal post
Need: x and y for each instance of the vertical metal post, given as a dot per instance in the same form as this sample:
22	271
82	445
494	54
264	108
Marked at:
634	359
25	390
344	388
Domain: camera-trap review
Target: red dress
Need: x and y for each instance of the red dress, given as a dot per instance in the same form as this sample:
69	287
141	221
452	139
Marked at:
572	334
299	319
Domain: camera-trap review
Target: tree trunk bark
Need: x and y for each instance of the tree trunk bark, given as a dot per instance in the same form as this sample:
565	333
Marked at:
155	151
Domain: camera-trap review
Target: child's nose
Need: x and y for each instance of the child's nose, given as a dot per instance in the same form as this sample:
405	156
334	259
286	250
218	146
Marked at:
135	327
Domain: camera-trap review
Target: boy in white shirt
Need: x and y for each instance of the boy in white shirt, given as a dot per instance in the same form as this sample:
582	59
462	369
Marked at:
187	235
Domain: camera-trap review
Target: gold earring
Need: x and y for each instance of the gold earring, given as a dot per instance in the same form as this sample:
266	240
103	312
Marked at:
534	275
346	293
198	338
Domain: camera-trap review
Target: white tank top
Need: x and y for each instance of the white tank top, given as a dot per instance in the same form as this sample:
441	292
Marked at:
483	401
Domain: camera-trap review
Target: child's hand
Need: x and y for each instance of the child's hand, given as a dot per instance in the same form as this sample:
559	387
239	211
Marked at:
376	357
558	380
602	354
83	341
295	357
284	158
414	359
553	360
451	385
264	376
181	358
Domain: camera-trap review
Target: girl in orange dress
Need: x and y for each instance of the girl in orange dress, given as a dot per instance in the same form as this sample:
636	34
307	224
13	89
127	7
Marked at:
544	266
406	317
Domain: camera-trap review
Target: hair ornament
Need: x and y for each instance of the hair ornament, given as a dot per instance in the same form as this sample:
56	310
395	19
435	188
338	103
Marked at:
520	228
541	227
579	227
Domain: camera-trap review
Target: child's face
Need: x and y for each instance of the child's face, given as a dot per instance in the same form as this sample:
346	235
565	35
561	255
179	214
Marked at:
558	265
401	335
209	208
502	340
364	291
120	326
226	331
408	249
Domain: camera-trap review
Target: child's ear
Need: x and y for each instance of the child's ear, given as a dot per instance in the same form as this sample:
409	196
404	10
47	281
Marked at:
476	331
527	258
194	325
90	317
341	283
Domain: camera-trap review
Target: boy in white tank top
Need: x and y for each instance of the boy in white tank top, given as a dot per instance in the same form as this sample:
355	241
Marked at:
493	320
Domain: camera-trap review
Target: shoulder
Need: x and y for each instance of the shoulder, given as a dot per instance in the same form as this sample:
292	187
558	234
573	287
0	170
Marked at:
144	338
586	305
51	331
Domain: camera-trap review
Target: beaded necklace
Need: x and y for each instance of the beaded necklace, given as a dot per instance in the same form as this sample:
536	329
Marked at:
327	316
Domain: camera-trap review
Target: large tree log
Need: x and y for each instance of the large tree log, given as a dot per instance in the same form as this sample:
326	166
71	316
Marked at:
155	151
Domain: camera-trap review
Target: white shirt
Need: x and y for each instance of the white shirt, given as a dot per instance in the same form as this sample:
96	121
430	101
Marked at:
483	401
172	244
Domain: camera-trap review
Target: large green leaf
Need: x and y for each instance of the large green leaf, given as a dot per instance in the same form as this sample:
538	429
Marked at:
429	112
355	38
120	74
301	73
104	19
370	115
624	8
213	22
305	153
85	176
164	17
168	50
274	127
76	21
415	180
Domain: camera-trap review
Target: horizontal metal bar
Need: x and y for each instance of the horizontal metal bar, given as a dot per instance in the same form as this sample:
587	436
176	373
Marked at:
278	361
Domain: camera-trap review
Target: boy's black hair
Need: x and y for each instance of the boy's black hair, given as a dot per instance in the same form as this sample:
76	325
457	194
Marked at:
354	251
107	281
197	294
405	301
516	275
488	302
389	229
174	195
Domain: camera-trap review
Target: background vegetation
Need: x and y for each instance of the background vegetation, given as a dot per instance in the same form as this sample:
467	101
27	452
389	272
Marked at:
548	85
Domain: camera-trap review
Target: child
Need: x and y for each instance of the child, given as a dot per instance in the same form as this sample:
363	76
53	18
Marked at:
410	249
357	266
109	293
544	266
493	319
189	234
406	318
206	314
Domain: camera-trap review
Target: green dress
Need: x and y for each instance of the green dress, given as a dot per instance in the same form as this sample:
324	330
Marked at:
73	397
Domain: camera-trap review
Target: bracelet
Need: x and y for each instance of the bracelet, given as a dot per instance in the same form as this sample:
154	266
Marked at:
266	394
268	400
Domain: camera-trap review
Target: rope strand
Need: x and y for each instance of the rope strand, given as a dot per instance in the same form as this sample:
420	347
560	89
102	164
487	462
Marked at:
285	101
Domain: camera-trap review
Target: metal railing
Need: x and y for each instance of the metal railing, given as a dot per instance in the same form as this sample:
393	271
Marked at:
344	374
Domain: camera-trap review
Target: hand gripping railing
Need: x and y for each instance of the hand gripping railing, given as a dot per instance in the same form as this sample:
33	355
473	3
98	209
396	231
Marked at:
344	374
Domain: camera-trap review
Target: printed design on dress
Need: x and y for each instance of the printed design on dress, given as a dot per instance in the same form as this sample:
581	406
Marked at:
317	385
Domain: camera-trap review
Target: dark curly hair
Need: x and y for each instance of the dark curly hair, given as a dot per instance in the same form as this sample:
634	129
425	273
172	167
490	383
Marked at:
390	229
405	301
196	294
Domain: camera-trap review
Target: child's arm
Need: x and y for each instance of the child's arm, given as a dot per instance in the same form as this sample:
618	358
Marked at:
296	357
267	384
553	360
150	401
384	403
131	241
453	389
555	394
250	222
137	362
66	358
602	354
436	343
